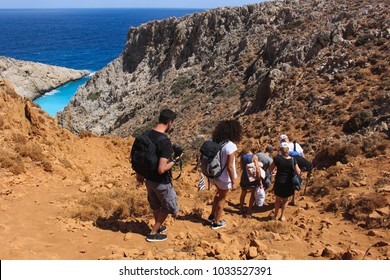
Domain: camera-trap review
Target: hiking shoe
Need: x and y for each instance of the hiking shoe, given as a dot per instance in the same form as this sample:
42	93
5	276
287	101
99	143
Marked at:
156	237
162	229
210	219
218	225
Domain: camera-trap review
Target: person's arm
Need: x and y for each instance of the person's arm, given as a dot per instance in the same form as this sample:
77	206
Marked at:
300	150
297	169
256	161
272	168
230	168
242	165
164	165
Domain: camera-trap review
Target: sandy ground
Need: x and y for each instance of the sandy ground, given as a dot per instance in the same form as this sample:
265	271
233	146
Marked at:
76	198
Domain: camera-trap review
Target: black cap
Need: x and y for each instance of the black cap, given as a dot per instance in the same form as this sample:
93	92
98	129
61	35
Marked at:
269	149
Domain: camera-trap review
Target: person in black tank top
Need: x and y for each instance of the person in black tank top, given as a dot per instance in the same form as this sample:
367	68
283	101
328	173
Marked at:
283	188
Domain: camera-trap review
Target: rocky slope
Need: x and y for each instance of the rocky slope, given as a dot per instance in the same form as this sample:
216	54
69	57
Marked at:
31	79
230	62
68	197
64	196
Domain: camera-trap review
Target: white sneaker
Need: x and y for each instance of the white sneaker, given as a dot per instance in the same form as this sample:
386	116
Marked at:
218	225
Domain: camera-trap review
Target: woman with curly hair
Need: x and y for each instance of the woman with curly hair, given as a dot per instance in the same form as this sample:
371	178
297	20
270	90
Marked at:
228	133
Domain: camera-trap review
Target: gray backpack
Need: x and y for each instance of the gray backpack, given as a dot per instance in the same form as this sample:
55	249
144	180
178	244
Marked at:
210	159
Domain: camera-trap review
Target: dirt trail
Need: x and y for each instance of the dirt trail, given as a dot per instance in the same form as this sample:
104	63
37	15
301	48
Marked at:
68	197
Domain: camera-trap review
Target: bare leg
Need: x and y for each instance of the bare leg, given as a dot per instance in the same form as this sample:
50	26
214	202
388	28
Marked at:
215	202
277	206
293	202
160	216
283	207
220	204
242	200
155	214
251	201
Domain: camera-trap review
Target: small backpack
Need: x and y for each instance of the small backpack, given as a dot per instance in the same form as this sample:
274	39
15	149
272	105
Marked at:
251	171
144	158
210	159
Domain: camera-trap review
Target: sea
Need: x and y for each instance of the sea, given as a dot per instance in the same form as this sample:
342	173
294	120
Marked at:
74	38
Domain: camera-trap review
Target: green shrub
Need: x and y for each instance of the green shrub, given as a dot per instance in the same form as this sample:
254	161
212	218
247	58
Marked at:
181	83
364	39
94	96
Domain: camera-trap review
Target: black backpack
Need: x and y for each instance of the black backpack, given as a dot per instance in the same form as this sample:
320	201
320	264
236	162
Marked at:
210	159
303	163
144	158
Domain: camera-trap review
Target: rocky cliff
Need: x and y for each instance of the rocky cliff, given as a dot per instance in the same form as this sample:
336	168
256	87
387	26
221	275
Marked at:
316	70
269	63
31	79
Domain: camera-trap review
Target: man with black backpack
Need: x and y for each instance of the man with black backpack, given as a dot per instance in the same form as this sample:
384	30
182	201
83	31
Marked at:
151	158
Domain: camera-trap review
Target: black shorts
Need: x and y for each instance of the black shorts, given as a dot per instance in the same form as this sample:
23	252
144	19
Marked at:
249	185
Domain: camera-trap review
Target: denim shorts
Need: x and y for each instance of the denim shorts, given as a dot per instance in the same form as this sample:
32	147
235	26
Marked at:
162	196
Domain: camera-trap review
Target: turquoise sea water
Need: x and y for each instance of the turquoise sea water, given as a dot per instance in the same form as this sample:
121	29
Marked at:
56	100
74	38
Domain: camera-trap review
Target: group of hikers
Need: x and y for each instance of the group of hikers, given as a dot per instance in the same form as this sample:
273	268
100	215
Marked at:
228	133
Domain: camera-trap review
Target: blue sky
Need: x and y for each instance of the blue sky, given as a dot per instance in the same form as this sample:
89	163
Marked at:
18	4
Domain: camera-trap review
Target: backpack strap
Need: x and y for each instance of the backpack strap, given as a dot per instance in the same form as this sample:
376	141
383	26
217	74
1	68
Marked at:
223	143
181	169
293	165
295	145
160	139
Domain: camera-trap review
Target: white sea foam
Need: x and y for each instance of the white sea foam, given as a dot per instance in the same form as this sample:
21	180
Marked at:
91	74
53	92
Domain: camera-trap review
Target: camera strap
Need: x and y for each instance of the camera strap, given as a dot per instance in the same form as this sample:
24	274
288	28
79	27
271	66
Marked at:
181	169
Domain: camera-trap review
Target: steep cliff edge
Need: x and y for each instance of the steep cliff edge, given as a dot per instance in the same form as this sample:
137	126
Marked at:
223	62
316	70
232	62
31	79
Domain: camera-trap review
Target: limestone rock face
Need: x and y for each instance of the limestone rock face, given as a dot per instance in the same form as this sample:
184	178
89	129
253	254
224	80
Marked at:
31	79
218	64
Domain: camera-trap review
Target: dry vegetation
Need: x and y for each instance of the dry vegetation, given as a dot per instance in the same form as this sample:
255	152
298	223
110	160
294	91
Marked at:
88	187
69	197
118	203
